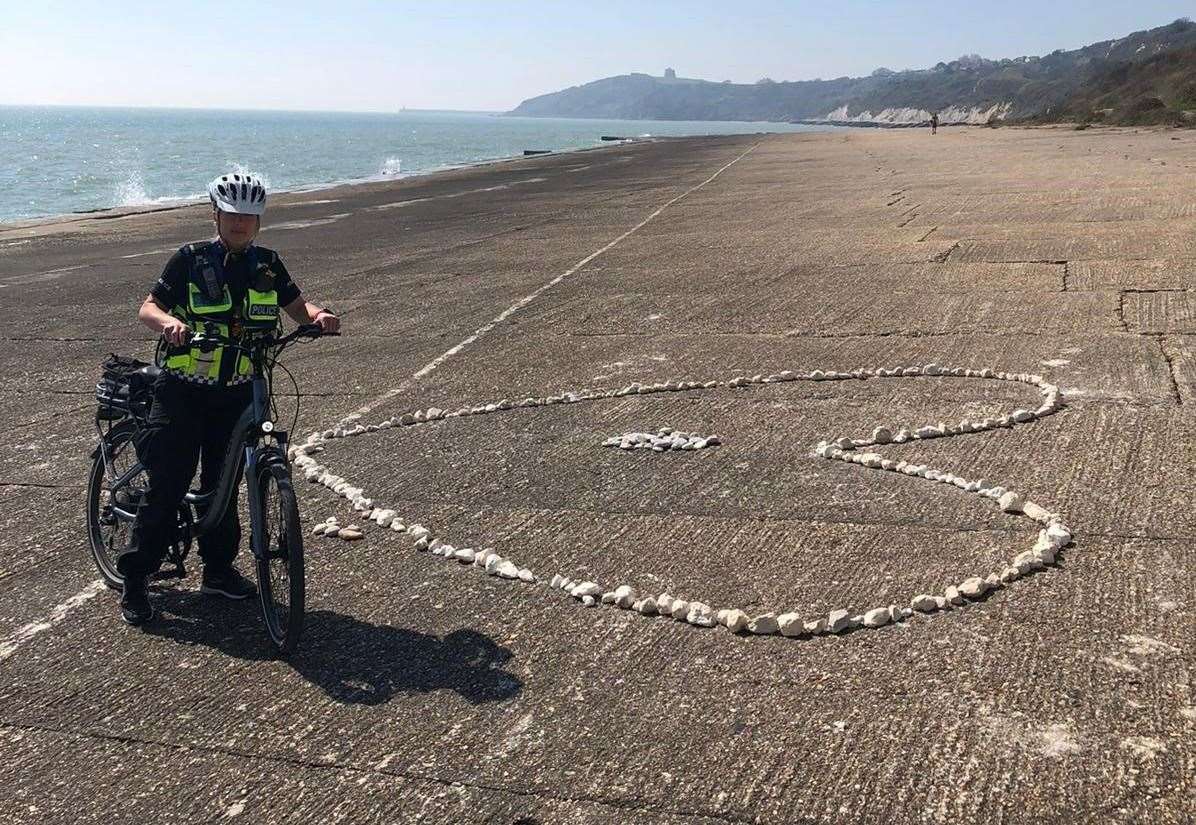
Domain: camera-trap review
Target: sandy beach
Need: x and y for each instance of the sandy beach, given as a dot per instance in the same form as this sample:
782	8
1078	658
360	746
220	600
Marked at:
428	691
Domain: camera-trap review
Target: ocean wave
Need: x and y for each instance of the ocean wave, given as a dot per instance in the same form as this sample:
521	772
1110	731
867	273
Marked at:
132	192
391	166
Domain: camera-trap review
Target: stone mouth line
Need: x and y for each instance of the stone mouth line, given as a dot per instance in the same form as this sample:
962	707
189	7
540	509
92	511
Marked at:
1052	537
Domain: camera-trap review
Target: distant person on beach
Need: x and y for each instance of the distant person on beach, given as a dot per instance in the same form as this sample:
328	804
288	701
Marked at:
227	286
934	123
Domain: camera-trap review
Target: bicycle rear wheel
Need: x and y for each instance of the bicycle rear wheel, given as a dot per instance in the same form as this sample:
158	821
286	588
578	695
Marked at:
280	562
108	534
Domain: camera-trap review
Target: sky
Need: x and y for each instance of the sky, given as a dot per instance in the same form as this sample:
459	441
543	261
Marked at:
353	55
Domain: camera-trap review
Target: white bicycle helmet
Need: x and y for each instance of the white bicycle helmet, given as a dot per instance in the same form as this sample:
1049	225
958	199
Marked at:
238	193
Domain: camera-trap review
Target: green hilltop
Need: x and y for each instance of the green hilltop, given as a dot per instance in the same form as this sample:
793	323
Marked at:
1145	77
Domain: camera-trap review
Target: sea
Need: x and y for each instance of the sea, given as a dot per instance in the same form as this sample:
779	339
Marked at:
56	160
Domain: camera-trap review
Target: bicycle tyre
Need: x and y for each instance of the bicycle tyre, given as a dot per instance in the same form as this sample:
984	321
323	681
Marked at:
280	573
103	539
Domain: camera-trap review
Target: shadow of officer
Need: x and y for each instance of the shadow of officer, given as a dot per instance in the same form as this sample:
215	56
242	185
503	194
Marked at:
352	661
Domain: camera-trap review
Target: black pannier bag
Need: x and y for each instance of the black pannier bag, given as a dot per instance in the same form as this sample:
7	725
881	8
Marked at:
124	388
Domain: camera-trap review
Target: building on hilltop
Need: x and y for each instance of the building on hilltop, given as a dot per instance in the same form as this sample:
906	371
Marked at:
669	74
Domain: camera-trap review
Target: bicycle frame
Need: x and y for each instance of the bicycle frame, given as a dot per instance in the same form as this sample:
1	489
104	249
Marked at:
244	452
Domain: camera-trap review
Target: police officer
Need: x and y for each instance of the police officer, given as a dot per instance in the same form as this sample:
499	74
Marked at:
232	287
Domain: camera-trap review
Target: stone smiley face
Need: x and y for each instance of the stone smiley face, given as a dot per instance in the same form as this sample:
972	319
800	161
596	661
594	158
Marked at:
1053	534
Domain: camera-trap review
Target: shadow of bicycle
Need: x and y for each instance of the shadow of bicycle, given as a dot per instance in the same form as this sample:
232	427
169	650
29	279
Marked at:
351	660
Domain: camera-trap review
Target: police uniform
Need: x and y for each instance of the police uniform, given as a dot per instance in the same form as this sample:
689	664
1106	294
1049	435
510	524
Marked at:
201	395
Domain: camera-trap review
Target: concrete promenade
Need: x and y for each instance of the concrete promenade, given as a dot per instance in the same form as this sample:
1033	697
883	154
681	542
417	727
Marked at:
426	691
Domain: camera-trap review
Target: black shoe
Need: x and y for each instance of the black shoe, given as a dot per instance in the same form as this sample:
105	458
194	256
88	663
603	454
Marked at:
228	583
135	607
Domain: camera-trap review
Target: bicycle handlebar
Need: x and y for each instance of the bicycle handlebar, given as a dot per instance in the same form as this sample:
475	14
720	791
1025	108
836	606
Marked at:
208	342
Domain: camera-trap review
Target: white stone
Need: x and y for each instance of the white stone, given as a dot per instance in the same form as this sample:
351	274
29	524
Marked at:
527	576
625	596
882	435
764	625
973	588
837	621
589	601
923	603
464	555
877	617
953	596
680	609
700	615
664	604
816	627
350	534
1011	502
492	564
1059	535
647	606
736	620
585	589
790	624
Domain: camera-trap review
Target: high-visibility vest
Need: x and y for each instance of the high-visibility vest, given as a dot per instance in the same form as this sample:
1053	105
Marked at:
209	309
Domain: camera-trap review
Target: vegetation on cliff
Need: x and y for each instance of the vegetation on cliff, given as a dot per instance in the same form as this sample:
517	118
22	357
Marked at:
1147	77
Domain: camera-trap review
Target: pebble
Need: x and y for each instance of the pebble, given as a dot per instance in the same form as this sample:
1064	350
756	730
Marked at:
877	617
647	606
953	596
790	624
764	625
923	603
350	534
664	604
527	576
589	601
465	555
625	596
1010	502
837	621
507	569
973	588
680	609
700	615
584	589
736	621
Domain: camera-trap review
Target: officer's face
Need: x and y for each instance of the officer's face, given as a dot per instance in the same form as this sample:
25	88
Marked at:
237	231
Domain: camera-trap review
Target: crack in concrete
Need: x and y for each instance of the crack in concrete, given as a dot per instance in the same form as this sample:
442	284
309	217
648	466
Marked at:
348	767
933	229
945	255
1066	276
1171	372
33	485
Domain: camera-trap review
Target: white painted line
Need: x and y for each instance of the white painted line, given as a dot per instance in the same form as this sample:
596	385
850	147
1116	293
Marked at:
49	275
461	194
305	224
161	251
12	644
304	203
527	299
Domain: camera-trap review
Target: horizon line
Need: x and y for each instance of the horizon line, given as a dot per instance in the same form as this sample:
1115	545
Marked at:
249	109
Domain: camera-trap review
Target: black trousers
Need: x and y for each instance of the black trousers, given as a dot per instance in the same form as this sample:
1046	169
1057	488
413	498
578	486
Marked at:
186	422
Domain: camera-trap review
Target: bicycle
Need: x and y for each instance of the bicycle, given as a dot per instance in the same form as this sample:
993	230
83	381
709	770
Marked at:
117	483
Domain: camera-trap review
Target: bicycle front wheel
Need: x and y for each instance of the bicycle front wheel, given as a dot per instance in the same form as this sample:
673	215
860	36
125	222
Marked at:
280	562
108	533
